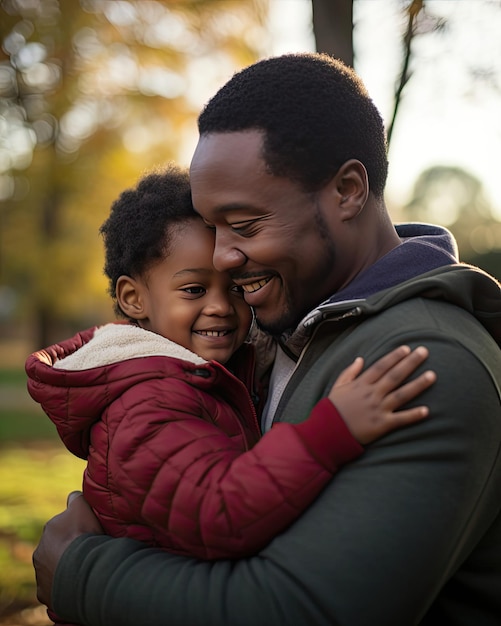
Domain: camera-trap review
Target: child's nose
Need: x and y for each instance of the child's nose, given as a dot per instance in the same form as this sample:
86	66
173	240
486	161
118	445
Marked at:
219	305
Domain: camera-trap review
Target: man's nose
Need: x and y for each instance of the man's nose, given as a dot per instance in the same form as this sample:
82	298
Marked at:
226	255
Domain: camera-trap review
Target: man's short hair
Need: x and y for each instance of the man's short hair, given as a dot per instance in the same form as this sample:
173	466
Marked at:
315	114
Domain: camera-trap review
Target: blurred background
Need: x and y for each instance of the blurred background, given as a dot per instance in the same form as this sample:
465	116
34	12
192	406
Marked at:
95	92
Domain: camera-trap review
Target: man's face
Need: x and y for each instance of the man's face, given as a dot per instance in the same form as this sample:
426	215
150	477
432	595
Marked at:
274	239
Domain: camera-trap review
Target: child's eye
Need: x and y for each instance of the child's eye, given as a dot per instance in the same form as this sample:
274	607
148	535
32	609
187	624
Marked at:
237	289
194	291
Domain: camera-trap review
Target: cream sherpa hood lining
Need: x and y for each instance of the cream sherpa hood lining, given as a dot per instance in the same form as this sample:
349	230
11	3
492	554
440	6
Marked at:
117	342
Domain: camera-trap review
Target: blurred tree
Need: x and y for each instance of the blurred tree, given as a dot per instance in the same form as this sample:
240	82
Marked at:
446	195
418	21
333	28
91	93
456	199
333	32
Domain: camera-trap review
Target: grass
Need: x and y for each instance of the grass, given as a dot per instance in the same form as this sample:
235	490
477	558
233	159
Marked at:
12	377
21	418
24	425
36	475
35	479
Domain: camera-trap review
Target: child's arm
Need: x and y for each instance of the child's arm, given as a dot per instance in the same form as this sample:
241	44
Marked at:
203	495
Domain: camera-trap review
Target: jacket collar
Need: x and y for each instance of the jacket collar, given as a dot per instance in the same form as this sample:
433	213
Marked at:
417	267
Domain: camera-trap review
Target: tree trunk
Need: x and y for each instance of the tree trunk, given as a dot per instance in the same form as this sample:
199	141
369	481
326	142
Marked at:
43	327
333	28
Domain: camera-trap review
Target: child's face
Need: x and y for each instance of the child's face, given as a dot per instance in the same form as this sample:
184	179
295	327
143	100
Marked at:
192	304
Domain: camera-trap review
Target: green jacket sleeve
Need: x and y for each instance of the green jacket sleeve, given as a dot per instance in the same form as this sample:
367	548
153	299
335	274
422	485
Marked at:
375	549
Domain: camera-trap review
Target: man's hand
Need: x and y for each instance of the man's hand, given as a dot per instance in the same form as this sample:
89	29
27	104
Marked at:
57	535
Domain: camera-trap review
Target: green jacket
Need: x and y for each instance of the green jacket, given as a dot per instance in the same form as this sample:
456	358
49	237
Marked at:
409	534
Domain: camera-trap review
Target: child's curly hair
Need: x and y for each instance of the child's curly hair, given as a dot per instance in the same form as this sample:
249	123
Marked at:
136	233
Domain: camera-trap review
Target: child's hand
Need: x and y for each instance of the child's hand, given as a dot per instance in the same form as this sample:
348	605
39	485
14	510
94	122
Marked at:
368	401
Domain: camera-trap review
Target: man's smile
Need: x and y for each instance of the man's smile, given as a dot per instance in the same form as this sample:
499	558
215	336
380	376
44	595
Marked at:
255	286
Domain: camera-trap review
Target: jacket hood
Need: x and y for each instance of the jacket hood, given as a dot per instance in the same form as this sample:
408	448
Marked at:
76	380
465	286
424	247
86	373
425	265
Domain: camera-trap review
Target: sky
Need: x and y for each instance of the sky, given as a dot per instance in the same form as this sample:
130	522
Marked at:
446	117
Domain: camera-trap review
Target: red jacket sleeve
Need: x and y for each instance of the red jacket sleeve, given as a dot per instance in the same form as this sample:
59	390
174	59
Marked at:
196	488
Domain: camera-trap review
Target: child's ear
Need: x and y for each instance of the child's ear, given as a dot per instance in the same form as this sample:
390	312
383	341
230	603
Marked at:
130	297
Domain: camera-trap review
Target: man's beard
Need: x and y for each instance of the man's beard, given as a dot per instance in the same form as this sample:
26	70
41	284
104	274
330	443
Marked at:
285	325
293	314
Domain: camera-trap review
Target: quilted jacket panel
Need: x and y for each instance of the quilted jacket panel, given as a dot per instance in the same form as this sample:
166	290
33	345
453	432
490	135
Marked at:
174	451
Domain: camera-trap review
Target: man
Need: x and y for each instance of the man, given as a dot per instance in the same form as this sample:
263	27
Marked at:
290	171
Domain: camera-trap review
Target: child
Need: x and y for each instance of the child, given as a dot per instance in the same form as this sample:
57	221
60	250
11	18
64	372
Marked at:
162	406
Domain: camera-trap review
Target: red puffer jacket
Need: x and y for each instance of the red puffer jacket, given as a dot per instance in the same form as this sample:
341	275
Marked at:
174	452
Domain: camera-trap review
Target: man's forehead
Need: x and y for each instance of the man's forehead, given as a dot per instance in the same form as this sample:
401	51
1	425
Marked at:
216	149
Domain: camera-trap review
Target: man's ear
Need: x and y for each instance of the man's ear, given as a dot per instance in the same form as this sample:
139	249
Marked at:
352	187
130	297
